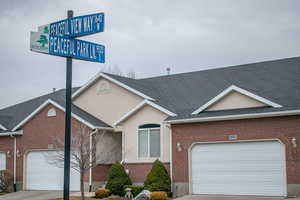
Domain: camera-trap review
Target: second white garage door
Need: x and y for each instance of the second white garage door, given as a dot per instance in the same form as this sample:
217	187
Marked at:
41	175
248	168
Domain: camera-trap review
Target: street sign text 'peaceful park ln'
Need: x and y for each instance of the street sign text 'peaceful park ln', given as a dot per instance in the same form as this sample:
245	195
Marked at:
58	38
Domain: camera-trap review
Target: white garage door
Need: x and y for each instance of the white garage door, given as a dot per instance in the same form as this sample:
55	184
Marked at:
41	175
252	168
2	161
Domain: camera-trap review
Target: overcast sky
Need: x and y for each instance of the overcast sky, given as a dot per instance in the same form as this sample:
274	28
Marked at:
146	36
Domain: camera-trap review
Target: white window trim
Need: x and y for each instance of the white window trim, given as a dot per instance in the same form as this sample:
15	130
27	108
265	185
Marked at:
51	112
239	90
148	138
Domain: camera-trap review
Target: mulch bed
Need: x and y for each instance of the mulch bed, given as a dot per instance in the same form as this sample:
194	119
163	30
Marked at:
92	198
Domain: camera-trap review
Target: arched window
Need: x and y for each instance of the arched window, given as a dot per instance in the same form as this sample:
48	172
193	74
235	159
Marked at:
149	141
51	112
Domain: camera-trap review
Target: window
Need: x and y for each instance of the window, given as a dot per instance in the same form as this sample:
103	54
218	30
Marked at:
149	140
51	112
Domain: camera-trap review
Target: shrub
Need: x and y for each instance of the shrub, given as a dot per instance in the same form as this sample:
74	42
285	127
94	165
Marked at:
136	189
159	196
102	193
6	181
158	178
117	178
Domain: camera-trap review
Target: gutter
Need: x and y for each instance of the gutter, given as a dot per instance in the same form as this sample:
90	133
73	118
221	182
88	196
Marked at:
91	160
14	133
234	117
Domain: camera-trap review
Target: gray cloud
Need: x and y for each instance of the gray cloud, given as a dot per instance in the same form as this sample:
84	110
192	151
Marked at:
146	36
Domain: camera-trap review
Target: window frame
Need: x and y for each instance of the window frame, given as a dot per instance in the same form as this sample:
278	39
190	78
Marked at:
148	142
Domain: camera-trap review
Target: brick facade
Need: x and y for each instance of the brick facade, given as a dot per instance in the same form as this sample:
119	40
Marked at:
38	133
137	171
7	147
282	128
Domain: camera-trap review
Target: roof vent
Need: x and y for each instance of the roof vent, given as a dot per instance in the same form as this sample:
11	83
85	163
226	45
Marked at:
168	71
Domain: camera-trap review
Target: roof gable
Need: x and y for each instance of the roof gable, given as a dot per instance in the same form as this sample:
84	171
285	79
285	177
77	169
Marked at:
141	105
244	98
119	83
235	100
43	105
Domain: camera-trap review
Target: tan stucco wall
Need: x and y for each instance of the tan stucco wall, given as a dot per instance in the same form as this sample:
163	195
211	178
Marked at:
108	106
145	115
235	100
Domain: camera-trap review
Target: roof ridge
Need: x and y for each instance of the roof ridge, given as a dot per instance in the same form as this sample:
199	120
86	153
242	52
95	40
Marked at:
26	101
221	68
111	74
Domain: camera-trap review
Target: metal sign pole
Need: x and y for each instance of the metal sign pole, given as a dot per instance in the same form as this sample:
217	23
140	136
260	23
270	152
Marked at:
68	125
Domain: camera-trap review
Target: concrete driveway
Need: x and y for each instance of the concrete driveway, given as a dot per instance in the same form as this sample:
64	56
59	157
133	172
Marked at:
220	197
32	195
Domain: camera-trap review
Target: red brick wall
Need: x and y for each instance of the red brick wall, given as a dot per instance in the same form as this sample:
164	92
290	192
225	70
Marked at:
7	144
100	173
282	128
37	134
137	171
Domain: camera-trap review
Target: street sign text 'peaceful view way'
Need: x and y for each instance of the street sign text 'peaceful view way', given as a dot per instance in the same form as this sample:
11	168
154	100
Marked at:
58	38
78	26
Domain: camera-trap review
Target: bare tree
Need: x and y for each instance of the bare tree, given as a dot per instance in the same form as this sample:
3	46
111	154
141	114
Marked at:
115	69
83	153
131	74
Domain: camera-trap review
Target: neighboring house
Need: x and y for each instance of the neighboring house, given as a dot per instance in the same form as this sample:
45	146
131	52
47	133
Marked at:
232	131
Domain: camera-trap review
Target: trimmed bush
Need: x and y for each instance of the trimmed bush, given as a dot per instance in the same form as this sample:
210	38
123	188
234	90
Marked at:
158	178
117	178
6	181
102	193
136	189
159	196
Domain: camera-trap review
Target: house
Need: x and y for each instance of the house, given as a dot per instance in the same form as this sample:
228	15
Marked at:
229	131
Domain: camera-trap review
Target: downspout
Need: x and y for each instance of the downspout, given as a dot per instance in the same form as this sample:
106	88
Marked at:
171	157
91	159
15	162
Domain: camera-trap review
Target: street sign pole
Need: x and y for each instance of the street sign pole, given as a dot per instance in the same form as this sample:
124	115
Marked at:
59	39
68	124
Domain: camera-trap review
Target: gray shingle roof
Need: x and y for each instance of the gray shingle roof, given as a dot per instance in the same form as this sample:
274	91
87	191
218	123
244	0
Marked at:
183	93
13	115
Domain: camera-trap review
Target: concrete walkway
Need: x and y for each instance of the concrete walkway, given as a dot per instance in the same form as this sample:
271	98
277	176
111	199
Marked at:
32	195
220	197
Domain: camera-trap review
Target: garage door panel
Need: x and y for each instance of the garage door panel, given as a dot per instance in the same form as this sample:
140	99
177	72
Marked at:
42	174
2	161
253	168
